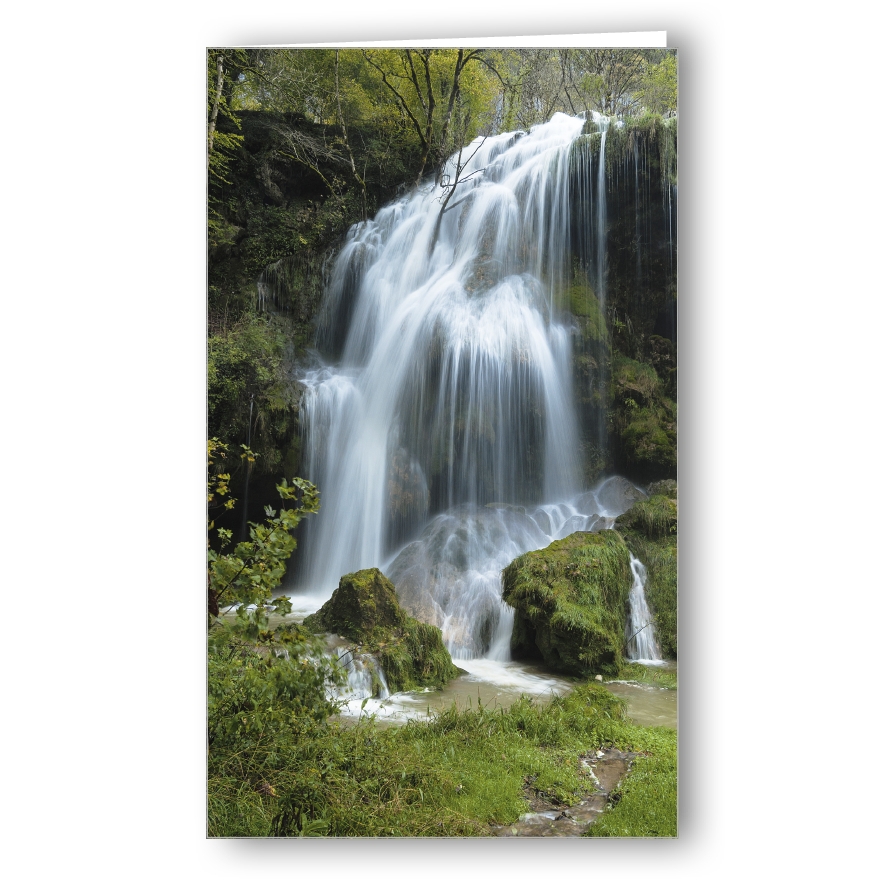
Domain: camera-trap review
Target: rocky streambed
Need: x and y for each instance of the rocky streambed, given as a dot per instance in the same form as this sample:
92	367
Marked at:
548	818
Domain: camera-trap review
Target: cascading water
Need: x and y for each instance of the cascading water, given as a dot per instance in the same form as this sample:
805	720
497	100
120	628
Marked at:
360	669
641	637
450	414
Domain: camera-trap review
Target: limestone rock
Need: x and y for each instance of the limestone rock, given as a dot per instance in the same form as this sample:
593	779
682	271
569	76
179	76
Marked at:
667	488
617	494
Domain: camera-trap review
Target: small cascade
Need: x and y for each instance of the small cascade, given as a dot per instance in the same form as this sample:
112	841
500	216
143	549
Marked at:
642	646
365	678
451	576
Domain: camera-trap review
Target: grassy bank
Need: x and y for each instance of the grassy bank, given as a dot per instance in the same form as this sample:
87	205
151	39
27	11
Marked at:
452	776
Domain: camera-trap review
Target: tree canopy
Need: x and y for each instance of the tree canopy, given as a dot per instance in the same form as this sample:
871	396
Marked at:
438	99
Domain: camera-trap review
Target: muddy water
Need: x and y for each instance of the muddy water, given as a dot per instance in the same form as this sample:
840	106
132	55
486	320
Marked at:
648	705
496	683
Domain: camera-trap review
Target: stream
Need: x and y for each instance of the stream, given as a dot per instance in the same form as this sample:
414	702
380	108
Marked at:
496	683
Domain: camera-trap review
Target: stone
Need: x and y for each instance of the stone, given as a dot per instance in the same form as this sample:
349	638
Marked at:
501	505
570	600
663	487
366	611
617	494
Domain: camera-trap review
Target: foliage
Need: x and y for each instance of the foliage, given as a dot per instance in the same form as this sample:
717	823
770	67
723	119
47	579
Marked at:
261	682
246	576
658	87
245	366
224	139
538	82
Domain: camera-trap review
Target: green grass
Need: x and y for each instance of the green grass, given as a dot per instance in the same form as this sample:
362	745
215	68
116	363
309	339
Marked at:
451	776
634	671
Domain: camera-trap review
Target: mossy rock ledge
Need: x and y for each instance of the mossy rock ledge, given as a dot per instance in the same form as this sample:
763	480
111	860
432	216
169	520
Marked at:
365	609
571	603
654	519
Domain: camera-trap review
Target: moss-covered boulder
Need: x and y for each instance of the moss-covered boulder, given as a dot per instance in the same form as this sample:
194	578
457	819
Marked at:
653	519
365	610
570	602
649	529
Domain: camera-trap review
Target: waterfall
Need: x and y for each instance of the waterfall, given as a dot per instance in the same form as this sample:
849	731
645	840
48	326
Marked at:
439	422
641	638
359	672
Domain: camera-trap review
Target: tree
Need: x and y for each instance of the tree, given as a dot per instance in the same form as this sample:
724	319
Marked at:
658	88
344	132
426	83
619	73
223	69
261	680
450	183
223	138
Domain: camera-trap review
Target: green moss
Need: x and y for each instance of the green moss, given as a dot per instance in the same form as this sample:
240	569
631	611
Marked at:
644	418
580	300
570	600
365	610
634	380
417	658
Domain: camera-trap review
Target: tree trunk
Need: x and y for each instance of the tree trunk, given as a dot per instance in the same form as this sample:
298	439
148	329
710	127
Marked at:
215	104
344	133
